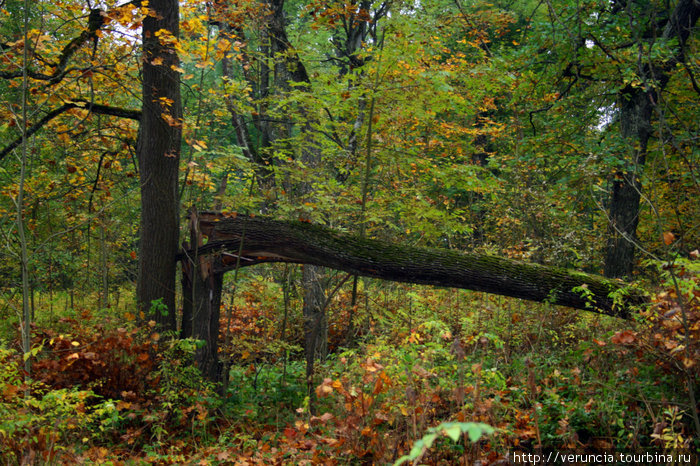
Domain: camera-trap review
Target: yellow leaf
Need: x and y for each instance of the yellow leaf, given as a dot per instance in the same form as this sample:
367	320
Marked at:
223	44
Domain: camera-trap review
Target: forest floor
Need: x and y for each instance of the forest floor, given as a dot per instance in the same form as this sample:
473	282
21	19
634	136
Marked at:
425	370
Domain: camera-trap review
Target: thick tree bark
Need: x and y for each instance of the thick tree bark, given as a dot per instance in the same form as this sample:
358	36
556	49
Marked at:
202	301
159	156
315	325
201	296
286	241
635	127
637	105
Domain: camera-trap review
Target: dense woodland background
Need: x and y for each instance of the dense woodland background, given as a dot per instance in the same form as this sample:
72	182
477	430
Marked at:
557	133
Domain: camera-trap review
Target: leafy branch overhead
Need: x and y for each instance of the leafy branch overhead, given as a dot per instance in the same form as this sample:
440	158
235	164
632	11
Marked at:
80	104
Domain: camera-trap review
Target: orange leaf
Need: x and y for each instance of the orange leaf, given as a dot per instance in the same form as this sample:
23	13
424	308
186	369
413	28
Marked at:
378	385
668	237
624	337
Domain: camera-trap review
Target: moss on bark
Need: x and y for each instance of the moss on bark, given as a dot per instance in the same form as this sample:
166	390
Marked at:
267	240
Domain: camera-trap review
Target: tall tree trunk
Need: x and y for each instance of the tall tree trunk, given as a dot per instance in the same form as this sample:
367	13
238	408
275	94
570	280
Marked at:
289	69
27	314
315	325
104	293
159	156
637	106
635	126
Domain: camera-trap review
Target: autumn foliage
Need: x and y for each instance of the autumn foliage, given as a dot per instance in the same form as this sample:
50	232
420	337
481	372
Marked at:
555	133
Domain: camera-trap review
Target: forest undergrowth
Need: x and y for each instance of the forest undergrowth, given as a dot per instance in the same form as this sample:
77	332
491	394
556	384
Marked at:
425	366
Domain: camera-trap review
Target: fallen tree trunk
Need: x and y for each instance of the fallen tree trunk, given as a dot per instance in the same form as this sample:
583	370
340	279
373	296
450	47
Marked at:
266	240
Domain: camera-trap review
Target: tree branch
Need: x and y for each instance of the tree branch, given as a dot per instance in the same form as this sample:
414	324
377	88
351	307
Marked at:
82	104
95	23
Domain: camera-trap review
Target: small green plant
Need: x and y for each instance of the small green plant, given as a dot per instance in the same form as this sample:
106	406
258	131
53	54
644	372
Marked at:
670	436
158	307
586	294
183	395
453	430
42	421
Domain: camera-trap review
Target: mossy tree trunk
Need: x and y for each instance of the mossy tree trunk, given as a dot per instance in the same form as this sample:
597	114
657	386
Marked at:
268	240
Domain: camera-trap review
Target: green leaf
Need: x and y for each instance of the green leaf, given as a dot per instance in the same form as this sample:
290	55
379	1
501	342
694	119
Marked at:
428	440
476	430
417	449
453	431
